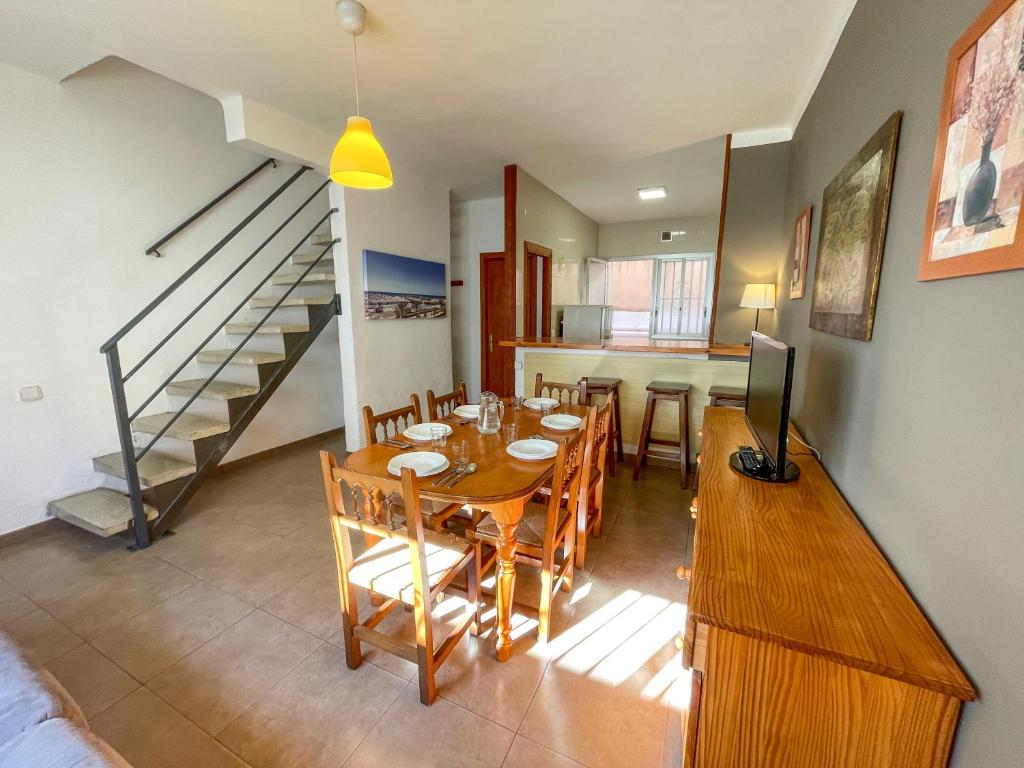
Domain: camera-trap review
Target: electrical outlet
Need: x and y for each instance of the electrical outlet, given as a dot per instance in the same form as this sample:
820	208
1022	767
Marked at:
30	394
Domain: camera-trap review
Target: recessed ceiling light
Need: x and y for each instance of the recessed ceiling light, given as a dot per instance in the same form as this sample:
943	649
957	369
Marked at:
652	193
567	239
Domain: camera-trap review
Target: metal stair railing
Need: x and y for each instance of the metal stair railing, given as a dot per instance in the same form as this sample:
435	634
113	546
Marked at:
111	349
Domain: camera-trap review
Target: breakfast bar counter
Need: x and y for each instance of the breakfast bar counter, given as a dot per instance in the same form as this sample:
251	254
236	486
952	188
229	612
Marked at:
637	362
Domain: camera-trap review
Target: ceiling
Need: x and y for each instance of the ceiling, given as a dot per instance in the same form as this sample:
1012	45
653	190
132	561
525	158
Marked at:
591	97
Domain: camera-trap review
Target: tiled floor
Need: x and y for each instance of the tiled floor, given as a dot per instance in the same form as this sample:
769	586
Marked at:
220	645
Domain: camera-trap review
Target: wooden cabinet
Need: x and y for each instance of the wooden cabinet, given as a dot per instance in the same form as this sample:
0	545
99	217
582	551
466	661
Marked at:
805	648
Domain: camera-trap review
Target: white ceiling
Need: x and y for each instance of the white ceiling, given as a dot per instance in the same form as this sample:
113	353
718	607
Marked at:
588	96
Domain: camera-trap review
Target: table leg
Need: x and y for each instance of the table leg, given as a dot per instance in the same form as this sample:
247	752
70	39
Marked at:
506	517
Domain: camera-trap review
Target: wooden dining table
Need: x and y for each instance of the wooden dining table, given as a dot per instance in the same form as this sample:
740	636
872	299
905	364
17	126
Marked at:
501	485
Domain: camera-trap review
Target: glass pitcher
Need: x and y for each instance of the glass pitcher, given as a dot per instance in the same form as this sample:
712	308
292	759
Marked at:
491	412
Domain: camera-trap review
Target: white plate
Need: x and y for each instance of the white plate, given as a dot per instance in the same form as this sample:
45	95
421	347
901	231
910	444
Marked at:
561	421
536	403
468	411
422	431
533	449
423	463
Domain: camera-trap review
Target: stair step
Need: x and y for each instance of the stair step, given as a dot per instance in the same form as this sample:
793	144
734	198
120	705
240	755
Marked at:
217	390
244	328
154	468
242	357
188	426
291	301
321	239
313	278
100	511
300	259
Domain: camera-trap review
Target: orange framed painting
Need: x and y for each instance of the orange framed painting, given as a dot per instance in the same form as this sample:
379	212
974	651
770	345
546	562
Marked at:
801	249
978	174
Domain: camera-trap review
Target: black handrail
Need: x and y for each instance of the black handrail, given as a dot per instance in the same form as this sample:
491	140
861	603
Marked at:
195	267
198	214
244	341
224	282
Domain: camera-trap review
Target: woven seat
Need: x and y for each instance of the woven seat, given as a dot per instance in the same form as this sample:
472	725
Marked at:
435	513
385	568
529	532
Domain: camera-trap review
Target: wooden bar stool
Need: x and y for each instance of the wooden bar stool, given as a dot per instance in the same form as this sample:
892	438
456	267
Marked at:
665	390
599	386
729	397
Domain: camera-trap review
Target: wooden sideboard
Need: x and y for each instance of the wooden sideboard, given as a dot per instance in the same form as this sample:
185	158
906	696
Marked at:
806	650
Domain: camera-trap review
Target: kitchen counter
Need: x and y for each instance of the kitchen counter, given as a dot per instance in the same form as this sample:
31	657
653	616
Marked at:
638	345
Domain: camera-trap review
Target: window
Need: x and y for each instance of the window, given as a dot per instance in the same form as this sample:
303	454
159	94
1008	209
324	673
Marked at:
666	297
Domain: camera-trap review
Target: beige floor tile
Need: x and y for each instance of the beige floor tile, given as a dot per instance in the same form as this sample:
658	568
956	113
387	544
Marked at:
316	537
316	716
157	638
281	514
42	635
654	523
527	754
93	680
313	604
204	542
442	735
149	733
13	604
224	677
678	703
646	566
113	600
599	722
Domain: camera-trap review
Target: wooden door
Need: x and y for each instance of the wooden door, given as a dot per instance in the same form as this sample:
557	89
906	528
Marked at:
536	290
496	362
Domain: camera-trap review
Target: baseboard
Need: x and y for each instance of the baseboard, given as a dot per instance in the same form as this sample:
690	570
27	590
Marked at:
42	528
277	450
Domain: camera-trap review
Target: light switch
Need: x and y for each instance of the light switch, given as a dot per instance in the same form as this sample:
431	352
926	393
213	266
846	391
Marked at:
30	394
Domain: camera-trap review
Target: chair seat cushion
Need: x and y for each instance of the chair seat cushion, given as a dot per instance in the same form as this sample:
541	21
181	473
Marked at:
530	530
386	567
59	743
428	507
29	696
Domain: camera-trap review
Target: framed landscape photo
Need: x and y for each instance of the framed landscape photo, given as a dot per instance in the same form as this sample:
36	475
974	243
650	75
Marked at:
801	249
401	288
851	238
978	173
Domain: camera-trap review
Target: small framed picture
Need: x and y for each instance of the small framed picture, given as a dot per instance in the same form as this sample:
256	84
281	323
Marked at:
801	249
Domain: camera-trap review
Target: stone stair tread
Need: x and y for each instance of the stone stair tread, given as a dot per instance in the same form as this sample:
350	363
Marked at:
242	357
217	390
308	258
243	328
188	426
321	239
287	278
266	302
154	468
101	511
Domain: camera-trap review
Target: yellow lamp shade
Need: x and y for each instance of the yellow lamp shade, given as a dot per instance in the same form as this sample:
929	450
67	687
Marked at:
758	296
358	159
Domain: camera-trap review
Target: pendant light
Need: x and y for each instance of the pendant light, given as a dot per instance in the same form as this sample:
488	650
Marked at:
358	160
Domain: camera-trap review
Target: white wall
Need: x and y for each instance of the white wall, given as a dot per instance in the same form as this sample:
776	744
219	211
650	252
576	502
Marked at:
390	359
478	226
96	169
643	238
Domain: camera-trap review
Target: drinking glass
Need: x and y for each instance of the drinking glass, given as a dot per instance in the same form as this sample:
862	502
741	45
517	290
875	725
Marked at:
517	401
438	437
511	432
546	409
460	453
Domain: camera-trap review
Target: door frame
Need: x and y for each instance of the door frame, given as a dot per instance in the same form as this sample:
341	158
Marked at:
500	321
544	256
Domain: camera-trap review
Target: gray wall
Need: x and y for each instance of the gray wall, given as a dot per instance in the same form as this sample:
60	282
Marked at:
755	236
916	425
643	238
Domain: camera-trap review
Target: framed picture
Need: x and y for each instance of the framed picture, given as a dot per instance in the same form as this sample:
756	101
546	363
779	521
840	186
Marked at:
978	173
801	247
851	237
401	288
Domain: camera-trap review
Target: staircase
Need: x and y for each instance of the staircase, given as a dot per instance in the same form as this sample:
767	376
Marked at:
229	384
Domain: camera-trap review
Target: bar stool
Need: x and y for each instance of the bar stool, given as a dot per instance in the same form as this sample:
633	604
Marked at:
665	390
729	397
599	386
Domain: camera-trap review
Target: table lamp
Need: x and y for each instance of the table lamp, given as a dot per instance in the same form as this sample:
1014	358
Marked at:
758	296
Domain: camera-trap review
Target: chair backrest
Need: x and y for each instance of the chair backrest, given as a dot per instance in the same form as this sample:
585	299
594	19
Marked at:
391	422
364	503
561	392
440	406
567	477
599	424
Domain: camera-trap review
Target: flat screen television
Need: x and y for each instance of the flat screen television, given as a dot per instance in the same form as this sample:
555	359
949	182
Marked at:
769	388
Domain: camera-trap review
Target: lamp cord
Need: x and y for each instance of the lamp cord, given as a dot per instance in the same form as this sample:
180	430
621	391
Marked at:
355	59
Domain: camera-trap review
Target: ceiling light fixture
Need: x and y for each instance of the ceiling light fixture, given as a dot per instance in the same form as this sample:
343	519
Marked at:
652	193
358	160
567	239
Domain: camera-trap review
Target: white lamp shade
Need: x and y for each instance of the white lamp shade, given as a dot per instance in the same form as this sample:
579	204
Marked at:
758	296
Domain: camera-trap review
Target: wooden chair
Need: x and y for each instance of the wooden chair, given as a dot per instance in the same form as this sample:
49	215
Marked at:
408	565
561	392
590	500
548	528
605	386
397	420
442	406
